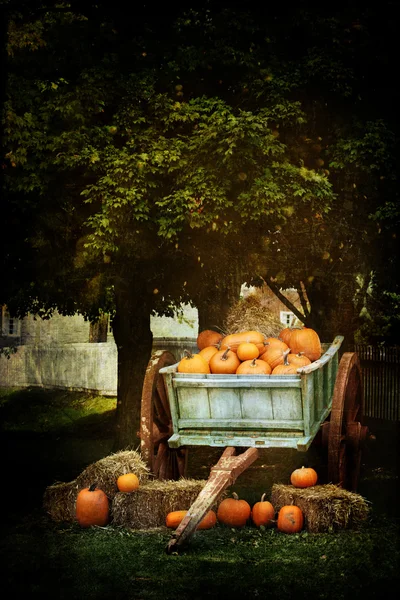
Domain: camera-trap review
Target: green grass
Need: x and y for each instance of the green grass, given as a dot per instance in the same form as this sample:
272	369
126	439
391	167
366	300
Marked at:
36	410
50	436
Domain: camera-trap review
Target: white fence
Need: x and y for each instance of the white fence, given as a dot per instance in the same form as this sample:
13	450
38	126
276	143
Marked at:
91	367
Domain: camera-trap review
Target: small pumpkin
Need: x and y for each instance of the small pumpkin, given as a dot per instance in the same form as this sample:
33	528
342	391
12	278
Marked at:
247	351
193	363
128	482
224	362
92	507
298	359
290	519
254	367
233	511
285	368
304	477
208	337
263	513
174	518
306	340
233	340
208	352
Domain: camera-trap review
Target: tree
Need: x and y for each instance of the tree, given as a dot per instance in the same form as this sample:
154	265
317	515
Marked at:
154	164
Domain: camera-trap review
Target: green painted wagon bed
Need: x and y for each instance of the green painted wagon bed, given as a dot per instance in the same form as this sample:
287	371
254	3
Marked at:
182	410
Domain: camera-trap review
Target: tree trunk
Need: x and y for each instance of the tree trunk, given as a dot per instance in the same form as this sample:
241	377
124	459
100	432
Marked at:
333	311
214	305
133	336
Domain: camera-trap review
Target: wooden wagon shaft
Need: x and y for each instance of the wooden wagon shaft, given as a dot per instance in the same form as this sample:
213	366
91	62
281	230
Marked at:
222	475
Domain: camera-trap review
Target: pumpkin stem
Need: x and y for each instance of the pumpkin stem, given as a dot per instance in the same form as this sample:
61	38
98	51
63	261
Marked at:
253	362
225	354
263	497
188	354
285	359
93	486
234	495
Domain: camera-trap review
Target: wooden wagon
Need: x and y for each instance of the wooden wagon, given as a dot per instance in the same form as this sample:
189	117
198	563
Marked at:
248	412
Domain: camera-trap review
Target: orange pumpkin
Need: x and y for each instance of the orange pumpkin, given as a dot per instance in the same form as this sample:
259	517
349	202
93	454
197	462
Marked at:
247	351
298	359
208	352
285	334
290	519
174	518
306	340
304	477
254	367
263	513
234	512
92	507
285	368
274	355
193	363
128	482
208	337
275	342
224	362
233	340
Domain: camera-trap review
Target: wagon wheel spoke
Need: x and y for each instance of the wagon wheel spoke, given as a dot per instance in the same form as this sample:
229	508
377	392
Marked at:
159	436
161	406
156	423
162	398
346	432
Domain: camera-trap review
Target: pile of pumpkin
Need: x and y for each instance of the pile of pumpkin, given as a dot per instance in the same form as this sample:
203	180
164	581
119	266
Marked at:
251	353
92	507
234	512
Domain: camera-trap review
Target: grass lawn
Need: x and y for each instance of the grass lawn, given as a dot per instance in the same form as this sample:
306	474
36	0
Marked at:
50	436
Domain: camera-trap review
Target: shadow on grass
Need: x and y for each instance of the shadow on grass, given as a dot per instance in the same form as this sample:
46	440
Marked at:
52	435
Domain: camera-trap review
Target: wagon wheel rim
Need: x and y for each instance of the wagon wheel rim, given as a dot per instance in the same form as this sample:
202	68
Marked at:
156	422
346	431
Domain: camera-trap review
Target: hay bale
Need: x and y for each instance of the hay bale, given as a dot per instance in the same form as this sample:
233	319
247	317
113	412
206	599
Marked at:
326	508
149	505
106	471
59	501
250	313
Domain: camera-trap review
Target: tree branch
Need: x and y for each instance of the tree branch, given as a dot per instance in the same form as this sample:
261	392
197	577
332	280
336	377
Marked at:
275	289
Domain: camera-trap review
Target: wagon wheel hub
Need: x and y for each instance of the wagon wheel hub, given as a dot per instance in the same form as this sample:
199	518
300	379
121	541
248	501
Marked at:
356	435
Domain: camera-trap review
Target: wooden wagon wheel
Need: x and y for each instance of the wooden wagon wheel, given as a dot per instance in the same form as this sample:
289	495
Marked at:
156	423
344	433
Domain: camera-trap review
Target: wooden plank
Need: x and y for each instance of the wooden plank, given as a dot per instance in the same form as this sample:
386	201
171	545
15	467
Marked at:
299	442
257	402
240	423
222	475
193	403
286	404
307	400
319	394
263	381
225	403
167	373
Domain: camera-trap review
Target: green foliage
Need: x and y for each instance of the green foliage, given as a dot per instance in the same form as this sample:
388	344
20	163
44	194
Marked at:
197	124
